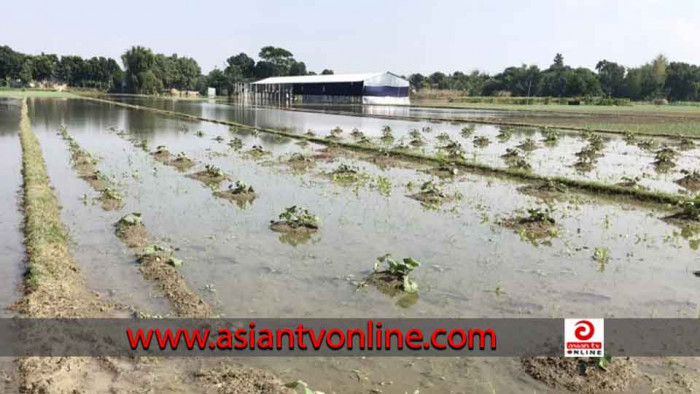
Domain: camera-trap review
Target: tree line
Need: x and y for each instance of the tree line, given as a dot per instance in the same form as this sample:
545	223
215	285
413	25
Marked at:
146	72
657	79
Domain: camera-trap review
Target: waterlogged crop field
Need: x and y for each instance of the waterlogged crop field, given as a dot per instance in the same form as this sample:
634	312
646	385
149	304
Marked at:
172	217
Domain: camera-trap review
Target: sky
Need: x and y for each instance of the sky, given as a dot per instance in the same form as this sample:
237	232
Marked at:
365	35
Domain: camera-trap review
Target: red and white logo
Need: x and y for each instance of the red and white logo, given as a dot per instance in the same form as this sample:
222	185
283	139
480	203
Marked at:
584	337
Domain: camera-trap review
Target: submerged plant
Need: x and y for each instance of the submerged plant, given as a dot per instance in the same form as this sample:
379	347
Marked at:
427	129
310	133
399	270
214	171
161	149
596	142
257	150
415	134
346	174
538	215
132	219
602	256
236	143
481	141
111	194
240	188
467	131
528	145
383	184
664	159
296	216
686	144
505	134
387	135
520	164
443	137
647	144
337	131
356	133
199	133
551	136
218	138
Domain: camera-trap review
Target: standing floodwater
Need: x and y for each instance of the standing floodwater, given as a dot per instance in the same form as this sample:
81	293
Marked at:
11	248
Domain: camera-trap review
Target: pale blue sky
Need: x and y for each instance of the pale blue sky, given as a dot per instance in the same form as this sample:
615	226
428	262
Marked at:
356	36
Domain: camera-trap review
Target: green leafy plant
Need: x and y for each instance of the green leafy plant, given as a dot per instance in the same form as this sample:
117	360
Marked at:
235	143
337	131
296	216
481	141
504	134
443	137
387	135
199	133
240	187
647	144
111	194
356	133
686	144
218	138
538	215
427	129
399	269
551	136
257	150
467	131
383	184
214	171
602	256
528	145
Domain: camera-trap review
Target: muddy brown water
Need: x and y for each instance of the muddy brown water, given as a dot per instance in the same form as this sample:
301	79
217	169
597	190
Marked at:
619	159
472	267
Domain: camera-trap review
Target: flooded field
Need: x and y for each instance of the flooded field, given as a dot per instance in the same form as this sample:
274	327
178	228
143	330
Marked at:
600	256
635	161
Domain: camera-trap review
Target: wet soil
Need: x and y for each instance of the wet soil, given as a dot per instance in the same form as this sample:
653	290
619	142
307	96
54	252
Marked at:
579	376
286	227
690	181
239	380
234	196
156	267
545	191
208	179
387	283
133	236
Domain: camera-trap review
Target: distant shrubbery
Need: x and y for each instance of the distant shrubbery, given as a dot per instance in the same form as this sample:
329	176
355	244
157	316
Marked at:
540	100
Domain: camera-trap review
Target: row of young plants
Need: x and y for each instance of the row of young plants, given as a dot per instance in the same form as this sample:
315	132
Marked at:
156	263
579	184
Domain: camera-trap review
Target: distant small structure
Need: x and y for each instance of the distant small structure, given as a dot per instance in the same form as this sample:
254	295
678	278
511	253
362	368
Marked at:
183	93
211	92
368	88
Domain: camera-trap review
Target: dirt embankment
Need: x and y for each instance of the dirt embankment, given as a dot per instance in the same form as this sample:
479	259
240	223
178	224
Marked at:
86	166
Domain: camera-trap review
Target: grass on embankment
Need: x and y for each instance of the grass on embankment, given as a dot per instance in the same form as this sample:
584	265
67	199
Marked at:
54	286
22	93
576	184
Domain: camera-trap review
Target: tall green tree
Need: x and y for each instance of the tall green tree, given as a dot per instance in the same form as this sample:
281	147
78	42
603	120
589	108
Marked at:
612	78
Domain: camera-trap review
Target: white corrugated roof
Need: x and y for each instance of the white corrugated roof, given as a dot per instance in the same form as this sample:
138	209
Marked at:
318	78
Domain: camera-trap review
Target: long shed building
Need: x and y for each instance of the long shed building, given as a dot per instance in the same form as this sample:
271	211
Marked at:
368	88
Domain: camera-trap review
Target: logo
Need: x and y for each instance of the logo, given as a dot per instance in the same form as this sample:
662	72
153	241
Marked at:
584	337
